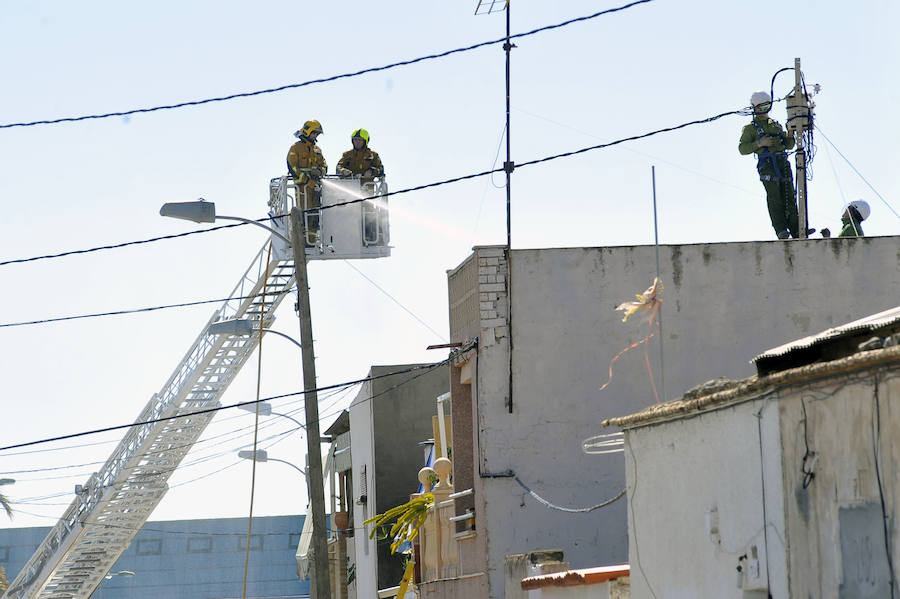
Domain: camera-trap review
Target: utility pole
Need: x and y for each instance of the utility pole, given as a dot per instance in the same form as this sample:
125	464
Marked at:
799	120
321	588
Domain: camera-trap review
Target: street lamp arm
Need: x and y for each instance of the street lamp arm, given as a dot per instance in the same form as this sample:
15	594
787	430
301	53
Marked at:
297	468
258	224
294	420
280	334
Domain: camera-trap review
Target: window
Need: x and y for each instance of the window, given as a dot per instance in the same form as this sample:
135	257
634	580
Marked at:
256	542
4	554
294	540
199	545
149	547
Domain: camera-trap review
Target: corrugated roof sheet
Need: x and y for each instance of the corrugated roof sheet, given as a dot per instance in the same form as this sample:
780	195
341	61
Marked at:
831	344
725	393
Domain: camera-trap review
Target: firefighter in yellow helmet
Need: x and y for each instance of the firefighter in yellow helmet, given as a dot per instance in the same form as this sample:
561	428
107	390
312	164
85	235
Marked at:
360	161
306	165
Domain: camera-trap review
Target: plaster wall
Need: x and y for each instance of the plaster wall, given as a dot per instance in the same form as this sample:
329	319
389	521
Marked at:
836	523
722	305
402	409
362	454
695	489
388	419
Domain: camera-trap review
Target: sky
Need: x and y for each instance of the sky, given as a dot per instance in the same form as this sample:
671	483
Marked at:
92	183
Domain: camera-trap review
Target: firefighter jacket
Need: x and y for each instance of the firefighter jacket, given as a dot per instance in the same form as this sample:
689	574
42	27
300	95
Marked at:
359	161
305	154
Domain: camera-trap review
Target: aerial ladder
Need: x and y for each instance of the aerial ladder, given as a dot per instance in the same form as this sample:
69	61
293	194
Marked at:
112	506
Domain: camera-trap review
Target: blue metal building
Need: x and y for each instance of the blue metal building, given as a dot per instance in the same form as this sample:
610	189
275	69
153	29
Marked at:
190	559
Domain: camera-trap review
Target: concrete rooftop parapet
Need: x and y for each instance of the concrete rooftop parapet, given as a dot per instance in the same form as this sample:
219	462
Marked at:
750	388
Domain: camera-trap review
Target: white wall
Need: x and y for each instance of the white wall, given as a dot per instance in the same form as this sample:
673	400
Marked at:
722	305
682	471
830	557
362	452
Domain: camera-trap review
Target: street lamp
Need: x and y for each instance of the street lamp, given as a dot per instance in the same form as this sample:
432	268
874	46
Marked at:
261	455
205	212
265	409
202	211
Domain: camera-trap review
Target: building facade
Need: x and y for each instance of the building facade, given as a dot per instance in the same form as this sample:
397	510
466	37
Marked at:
388	422
540	335
781	485
189	559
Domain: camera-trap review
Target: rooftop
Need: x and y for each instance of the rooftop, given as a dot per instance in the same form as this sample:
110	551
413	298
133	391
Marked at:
866	343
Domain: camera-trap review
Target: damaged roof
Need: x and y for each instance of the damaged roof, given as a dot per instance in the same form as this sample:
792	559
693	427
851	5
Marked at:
720	393
832	344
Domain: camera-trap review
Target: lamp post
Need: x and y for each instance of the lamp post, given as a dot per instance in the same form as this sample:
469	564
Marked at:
205	212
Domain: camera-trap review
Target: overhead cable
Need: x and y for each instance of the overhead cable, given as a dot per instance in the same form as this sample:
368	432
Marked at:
120	312
710	119
324	79
408	189
866	181
220	408
570	510
125	244
395	300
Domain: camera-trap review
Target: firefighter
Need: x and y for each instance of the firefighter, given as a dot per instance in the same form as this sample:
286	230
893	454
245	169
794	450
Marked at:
360	161
306	165
765	138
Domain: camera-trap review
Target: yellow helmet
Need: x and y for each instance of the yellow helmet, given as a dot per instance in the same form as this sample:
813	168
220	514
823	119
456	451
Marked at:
310	127
361	134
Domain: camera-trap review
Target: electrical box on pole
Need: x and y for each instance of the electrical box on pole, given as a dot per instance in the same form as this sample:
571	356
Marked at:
799	121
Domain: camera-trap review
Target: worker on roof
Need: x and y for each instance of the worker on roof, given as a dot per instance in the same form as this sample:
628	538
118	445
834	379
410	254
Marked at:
765	138
360	161
854	213
306	165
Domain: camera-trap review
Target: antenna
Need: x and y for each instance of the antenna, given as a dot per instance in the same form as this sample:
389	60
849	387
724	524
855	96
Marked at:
486	7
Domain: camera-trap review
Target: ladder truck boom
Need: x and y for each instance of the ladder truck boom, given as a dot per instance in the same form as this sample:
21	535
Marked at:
109	510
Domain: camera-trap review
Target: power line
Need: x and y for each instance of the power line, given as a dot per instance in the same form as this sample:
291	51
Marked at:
409	189
425	369
121	245
323	79
121	312
395	300
220	408
841	154
535	161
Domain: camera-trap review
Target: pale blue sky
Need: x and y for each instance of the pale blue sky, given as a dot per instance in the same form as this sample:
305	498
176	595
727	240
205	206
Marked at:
79	185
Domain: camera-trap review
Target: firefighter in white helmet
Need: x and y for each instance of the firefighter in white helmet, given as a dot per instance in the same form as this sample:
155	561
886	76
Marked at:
765	138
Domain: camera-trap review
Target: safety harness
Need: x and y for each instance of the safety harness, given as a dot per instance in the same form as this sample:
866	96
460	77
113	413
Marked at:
765	154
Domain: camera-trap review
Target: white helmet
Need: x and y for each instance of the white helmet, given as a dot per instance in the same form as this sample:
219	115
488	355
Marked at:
759	98
862	207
